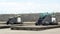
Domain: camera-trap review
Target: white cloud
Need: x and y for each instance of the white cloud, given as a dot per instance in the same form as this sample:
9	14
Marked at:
28	7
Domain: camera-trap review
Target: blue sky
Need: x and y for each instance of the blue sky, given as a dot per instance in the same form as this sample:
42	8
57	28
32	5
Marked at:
29	6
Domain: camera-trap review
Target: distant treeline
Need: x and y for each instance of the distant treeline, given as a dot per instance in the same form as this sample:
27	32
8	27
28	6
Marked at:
25	17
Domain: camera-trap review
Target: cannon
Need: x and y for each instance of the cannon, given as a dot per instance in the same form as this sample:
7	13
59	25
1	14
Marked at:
15	20
47	19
